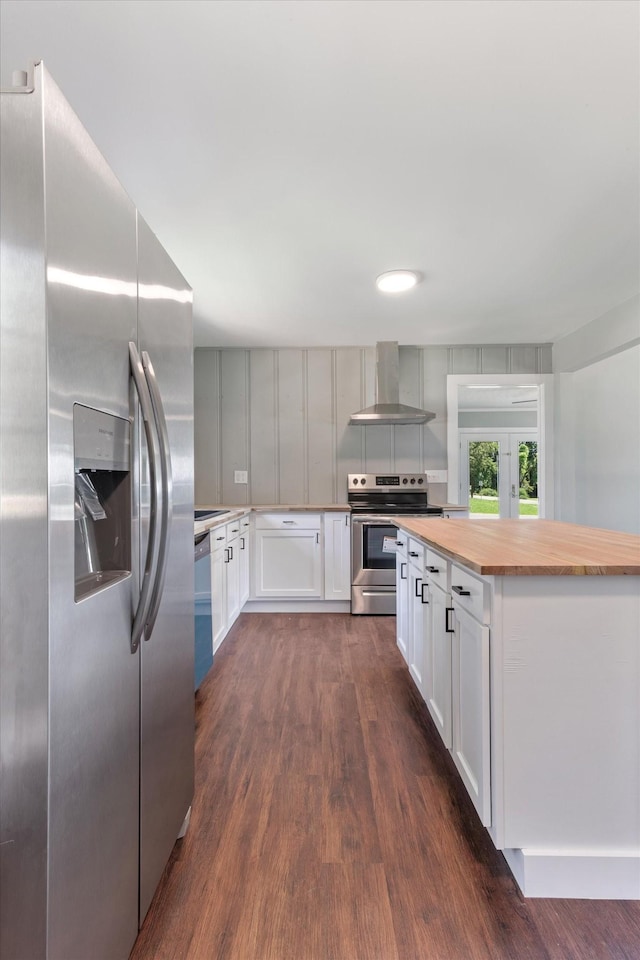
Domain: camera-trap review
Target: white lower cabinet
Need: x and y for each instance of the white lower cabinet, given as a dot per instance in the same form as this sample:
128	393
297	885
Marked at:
402	594
418	620
288	556
337	556
244	556
445	642
438	662
233	572
227	562
471	727
218	586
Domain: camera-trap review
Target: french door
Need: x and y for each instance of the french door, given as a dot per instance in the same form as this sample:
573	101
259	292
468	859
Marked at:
499	474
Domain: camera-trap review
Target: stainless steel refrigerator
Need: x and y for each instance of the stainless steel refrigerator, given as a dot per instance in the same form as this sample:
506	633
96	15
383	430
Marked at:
96	548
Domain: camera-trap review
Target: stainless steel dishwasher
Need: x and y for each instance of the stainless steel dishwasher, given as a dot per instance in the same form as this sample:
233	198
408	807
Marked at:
202	612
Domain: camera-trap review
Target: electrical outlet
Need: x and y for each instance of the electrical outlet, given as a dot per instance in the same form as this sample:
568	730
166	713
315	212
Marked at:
240	476
436	476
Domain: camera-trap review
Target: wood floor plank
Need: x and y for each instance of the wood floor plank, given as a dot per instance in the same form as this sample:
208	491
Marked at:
329	822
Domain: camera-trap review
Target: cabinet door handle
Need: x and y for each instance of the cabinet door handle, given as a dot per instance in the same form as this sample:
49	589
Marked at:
461	591
230	553
346	521
242	542
317	538
447	627
433	569
422	592
227	557
418	589
403	576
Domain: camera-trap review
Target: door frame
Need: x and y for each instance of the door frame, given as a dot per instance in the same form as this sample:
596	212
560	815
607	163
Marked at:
544	382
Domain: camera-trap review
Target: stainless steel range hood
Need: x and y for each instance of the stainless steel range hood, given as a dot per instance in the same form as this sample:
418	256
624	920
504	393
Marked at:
387	409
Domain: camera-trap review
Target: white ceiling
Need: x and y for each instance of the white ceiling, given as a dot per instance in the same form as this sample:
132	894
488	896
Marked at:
288	151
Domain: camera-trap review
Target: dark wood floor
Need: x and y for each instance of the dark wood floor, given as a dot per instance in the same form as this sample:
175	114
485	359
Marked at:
329	823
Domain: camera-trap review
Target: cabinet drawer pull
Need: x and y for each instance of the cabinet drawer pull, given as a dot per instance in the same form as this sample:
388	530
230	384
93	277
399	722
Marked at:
220	538
433	569
418	580
412	553
461	591
235	529
447	627
289	521
422	592
399	543
403	576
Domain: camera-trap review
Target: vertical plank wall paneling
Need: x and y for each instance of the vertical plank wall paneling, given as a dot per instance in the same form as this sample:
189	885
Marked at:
350	396
435	367
321	435
292	448
263	427
208	486
234	423
494	359
409	440
283	415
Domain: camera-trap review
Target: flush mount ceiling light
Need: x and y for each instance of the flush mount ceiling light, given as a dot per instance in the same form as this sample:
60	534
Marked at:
397	281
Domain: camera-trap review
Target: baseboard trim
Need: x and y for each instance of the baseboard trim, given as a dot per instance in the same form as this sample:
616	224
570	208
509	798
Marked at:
297	606
575	874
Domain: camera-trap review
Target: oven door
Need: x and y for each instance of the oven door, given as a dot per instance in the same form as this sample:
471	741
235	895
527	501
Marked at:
370	563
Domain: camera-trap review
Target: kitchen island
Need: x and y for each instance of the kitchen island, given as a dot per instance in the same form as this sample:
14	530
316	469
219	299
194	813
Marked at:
523	638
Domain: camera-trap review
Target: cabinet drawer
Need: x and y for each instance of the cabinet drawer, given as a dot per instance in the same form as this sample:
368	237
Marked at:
233	530
288	521
402	543
415	553
218	538
470	593
436	568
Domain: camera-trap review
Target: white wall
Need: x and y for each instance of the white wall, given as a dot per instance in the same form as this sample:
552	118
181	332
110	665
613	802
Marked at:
597	424
282	415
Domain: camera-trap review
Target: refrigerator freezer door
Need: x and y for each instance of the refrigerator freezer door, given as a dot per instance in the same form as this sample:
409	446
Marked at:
167	656
93	678
24	535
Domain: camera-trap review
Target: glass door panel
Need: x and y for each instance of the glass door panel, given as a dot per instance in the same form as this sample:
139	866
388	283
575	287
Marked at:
499	475
524	487
482	460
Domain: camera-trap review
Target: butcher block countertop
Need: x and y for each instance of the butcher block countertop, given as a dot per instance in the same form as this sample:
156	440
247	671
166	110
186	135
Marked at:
529	547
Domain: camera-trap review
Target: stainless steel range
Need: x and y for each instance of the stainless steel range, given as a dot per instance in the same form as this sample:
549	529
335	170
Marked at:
373	499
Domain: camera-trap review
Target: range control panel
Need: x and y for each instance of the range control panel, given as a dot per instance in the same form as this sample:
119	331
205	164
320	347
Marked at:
382	483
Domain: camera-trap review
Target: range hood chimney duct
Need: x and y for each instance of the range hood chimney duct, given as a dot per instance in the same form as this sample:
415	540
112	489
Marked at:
387	409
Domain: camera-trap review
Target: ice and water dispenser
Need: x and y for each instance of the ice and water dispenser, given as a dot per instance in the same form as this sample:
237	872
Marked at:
102	499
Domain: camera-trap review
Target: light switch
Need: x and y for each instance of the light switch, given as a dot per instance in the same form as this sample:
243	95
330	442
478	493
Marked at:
240	476
436	476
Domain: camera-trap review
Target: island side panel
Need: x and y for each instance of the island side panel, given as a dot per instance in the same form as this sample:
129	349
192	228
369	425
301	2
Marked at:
570	728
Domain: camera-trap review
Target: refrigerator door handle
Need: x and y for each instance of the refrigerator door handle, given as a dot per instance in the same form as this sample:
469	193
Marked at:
144	601
166	480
